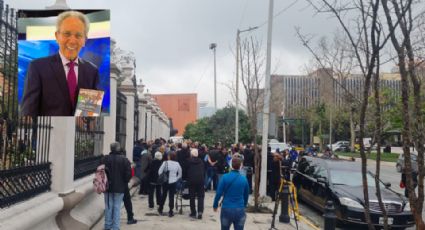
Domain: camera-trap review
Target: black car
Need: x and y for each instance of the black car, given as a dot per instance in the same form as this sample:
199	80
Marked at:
318	180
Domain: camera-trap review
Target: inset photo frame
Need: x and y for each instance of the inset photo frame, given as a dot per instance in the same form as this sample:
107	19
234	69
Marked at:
48	41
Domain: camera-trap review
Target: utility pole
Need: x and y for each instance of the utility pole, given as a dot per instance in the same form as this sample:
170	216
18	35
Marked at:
266	109
283	123
213	47
238	40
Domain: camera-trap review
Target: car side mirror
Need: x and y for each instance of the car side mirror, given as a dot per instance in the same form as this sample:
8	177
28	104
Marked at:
387	185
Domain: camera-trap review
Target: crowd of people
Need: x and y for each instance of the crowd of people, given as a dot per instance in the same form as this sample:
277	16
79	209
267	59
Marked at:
188	165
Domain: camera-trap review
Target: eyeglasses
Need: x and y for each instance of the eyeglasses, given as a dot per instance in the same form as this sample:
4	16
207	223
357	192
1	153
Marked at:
68	34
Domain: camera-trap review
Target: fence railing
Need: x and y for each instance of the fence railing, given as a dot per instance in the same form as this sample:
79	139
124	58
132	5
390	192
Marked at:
121	119
24	158
88	145
24	141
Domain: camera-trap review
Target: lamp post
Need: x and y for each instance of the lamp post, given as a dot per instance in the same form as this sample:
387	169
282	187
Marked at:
237	81
212	47
266	106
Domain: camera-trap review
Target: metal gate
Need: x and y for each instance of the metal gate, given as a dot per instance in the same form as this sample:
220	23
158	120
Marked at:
88	145
121	119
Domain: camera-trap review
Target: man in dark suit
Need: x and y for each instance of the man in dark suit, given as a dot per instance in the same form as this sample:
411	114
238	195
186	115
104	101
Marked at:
52	83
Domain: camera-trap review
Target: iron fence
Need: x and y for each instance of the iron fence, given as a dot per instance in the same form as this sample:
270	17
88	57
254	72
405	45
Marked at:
121	119
88	145
24	158
136	119
24	142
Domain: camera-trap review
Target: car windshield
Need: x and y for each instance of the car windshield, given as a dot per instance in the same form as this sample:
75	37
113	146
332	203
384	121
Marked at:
350	178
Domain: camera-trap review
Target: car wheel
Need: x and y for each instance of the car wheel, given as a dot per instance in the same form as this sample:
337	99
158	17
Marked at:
398	167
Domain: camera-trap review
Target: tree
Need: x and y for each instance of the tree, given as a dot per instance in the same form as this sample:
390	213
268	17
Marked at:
361	23
401	18
218	128
251	63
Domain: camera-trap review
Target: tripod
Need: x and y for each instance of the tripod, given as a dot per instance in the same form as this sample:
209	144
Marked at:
292	198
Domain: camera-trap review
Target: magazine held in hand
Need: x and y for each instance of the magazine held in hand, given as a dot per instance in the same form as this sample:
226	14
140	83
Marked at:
89	103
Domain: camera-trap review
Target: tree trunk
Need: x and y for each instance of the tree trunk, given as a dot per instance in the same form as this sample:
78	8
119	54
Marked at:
378	138
352	130
311	133
257	162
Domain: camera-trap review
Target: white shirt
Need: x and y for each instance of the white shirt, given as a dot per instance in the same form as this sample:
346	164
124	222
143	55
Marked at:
174	168
65	62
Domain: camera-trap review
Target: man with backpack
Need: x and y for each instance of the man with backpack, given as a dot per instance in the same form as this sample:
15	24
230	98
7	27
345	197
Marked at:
118	172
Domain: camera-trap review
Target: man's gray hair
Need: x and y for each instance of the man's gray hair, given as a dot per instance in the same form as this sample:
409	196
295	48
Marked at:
76	14
115	147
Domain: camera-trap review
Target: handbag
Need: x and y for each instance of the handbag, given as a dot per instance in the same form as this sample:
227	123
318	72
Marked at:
227	188
163	177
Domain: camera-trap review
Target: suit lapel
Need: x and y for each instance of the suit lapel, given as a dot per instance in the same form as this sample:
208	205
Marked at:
81	73
60	77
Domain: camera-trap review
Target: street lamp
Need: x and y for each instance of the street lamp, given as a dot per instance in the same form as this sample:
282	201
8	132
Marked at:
237	81
212	47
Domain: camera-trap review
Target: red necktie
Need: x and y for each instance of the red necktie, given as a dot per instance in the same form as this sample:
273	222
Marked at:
72	82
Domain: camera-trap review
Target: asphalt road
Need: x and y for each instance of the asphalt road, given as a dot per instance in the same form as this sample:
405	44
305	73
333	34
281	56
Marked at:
388	174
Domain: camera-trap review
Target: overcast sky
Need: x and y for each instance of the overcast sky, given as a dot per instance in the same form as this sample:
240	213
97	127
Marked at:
170	38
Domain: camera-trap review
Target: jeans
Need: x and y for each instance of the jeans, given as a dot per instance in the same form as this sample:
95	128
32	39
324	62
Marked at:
249	172
113	210
210	176
235	216
171	190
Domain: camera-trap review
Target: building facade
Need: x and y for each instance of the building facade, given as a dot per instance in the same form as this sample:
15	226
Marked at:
182	108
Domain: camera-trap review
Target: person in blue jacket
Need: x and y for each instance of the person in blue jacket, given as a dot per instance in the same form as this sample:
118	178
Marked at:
234	189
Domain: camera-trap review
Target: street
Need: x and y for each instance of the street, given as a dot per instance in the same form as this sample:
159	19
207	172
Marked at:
388	174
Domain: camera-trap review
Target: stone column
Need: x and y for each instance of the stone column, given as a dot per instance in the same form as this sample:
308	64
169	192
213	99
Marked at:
155	122
128	88
110	121
149	122
142	116
62	143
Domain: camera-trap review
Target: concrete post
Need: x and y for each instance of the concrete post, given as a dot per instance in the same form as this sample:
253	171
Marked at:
129	140
128	88
62	143
142	117
110	128
149	122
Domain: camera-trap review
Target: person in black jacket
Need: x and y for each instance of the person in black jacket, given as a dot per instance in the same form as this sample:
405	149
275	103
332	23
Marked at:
119	173
195	179
248	164
152	177
182	155
127	203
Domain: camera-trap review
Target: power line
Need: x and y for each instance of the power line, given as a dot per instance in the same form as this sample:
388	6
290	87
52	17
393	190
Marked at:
202	76
280	12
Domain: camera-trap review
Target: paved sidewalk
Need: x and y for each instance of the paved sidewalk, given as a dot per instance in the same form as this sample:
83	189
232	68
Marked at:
149	218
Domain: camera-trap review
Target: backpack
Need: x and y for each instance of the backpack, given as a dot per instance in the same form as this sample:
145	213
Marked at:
100	181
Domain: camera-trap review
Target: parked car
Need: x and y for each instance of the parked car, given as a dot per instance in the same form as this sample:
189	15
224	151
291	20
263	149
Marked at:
400	162
279	145
318	180
344	147
338	145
